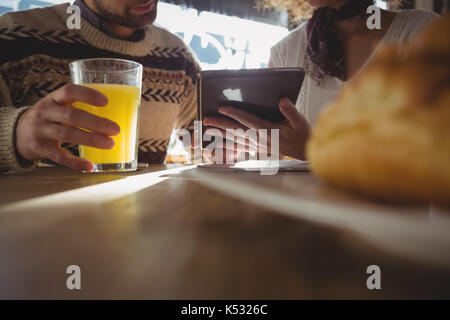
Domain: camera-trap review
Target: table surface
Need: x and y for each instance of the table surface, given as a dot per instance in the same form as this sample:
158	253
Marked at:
171	232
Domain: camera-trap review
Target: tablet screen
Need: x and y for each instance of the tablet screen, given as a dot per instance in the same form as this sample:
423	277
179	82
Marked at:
255	91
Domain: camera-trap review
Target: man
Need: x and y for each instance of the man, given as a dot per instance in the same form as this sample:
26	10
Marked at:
36	116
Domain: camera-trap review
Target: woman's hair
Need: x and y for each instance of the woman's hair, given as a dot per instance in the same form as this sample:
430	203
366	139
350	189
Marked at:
298	9
301	9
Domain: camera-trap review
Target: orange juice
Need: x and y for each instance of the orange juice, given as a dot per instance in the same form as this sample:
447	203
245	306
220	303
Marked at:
123	109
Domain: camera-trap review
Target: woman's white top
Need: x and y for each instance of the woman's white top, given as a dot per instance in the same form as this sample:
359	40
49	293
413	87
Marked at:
290	53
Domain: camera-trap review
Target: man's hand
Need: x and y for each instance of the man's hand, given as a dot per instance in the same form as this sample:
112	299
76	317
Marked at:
52	120
294	131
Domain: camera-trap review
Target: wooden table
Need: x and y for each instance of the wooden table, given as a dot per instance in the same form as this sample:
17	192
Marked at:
193	233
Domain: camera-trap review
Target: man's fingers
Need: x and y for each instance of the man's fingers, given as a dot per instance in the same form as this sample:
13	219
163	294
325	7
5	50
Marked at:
78	118
71	93
295	118
247	119
76	136
65	158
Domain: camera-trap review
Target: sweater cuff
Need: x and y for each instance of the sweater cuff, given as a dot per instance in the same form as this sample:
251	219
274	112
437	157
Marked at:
9	158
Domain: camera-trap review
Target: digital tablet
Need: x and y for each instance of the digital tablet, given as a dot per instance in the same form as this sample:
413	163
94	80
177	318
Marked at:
255	91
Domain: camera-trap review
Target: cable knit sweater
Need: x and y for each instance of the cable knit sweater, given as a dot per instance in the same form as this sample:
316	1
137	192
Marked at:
36	48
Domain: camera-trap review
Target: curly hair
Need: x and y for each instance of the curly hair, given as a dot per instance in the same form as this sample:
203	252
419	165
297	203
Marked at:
300	9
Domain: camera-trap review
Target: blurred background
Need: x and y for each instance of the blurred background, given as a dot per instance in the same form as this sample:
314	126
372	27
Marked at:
224	34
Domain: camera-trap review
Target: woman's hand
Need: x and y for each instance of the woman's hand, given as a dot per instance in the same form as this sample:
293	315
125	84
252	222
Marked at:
293	132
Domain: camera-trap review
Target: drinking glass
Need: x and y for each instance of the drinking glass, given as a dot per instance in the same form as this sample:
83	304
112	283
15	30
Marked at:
121	82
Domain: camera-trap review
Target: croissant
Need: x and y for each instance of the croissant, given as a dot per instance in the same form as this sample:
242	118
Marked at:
388	132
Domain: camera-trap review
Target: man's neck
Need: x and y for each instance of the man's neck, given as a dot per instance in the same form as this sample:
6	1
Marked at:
119	30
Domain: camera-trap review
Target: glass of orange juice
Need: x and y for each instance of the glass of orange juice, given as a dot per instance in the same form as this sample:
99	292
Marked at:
120	81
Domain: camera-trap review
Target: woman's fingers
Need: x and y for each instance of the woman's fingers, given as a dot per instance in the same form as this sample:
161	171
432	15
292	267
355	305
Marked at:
223	123
247	119
295	118
220	156
237	146
249	138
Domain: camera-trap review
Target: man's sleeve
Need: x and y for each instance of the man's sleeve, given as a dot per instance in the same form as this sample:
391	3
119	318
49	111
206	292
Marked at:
9	115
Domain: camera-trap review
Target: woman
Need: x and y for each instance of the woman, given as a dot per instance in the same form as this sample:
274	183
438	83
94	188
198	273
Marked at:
332	46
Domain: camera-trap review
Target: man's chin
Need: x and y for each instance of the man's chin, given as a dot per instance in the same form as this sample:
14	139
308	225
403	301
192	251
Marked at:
144	20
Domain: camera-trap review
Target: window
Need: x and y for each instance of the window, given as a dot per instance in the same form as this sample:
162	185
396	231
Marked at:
220	41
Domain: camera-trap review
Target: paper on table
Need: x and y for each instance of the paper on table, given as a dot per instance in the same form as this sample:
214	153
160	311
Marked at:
257	165
282	165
